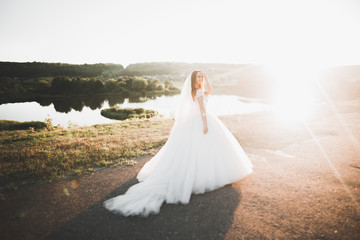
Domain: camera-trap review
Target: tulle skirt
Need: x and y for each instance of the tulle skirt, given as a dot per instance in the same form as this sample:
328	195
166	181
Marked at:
189	162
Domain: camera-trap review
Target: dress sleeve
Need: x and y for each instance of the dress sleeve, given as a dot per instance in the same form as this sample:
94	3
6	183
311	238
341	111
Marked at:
199	93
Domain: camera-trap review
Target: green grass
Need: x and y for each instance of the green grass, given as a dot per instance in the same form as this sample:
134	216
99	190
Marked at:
35	156
15	125
127	113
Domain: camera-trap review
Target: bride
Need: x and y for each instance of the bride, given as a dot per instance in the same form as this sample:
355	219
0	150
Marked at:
200	155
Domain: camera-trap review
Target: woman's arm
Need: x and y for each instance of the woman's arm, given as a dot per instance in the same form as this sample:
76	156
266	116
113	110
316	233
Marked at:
203	113
209	87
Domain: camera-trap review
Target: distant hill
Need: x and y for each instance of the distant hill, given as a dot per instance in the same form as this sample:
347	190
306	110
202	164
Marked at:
41	69
247	80
157	68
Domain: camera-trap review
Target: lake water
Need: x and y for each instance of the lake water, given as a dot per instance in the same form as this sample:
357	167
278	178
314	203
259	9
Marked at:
89	113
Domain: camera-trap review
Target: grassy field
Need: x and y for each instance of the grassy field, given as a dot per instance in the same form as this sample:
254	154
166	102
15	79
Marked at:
44	155
28	156
16	125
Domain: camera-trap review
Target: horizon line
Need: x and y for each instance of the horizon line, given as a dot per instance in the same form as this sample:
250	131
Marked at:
125	66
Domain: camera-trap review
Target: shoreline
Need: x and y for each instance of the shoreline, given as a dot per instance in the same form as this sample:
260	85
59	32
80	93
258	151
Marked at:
31	97
249	130
87	113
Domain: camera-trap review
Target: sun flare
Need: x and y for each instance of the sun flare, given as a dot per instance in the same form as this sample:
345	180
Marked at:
293	92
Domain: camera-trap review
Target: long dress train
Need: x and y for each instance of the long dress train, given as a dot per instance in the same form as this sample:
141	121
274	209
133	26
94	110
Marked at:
189	162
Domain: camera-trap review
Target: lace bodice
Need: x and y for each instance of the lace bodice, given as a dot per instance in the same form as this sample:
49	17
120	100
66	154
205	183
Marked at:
199	93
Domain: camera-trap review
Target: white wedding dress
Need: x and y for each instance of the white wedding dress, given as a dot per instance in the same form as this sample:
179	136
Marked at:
189	162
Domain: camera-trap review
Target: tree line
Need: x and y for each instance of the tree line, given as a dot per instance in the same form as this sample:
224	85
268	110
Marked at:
40	69
127	86
241	79
61	85
43	69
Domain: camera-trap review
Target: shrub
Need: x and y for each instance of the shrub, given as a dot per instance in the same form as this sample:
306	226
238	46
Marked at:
139	83
43	86
153	84
111	85
60	85
160	87
16	125
127	113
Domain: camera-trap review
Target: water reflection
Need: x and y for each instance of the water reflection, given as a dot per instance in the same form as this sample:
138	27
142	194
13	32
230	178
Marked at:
86	111
45	102
113	100
65	105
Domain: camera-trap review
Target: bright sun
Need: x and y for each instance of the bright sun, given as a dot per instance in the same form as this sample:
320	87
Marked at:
293	93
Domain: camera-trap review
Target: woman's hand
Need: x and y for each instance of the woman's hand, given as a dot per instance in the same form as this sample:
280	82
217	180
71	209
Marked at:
209	87
206	130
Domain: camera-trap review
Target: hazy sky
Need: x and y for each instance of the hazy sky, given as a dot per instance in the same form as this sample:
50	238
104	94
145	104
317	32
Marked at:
130	31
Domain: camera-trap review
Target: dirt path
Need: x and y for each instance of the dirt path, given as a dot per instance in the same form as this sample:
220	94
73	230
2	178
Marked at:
305	185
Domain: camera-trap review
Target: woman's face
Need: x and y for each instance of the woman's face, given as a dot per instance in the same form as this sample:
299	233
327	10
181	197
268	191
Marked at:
199	79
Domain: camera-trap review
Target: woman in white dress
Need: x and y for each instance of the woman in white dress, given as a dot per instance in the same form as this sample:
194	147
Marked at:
200	155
